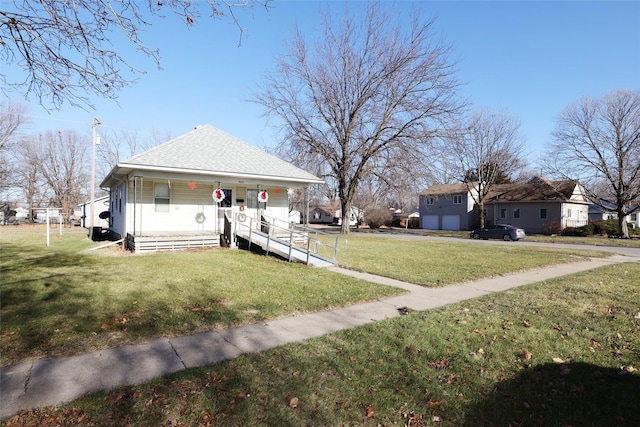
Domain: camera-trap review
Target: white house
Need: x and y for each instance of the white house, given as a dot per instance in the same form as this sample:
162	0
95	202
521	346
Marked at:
188	185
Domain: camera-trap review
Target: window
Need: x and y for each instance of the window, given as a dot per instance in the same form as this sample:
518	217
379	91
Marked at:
503	213
429	200
252	199
226	202
543	213
568	213
161	197
516	213
457	199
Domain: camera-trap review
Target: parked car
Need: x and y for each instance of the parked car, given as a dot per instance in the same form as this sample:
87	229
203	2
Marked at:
498	231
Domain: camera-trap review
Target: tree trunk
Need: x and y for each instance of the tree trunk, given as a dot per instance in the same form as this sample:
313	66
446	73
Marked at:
346	214
622	225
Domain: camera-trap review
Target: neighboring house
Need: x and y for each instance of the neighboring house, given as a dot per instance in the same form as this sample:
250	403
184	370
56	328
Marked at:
333	215
321	214
539	206
447	207
598	212
189	184
101	204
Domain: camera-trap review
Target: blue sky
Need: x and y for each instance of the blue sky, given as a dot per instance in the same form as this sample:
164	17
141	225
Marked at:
531	59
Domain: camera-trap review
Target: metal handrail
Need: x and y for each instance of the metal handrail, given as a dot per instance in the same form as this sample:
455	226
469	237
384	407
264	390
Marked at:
314	240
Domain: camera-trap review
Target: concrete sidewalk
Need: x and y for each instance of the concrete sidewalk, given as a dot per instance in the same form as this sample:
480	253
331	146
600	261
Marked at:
56	381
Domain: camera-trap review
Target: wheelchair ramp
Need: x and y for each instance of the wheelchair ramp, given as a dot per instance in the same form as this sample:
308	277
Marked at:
293	244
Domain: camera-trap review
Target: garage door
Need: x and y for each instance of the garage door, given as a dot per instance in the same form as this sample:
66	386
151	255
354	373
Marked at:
429	222
451	222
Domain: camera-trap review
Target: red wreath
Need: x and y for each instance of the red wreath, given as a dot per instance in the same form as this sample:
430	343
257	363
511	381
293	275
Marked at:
263	196
218	195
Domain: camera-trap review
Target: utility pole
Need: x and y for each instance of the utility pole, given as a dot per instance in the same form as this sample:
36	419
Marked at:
96	122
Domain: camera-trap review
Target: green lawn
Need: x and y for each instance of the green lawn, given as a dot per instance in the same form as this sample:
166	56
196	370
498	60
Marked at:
561	352
564	352
65	299
436	263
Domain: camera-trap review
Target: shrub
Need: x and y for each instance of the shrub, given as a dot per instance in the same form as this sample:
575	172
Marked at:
377	217
552	227
605	226
583	231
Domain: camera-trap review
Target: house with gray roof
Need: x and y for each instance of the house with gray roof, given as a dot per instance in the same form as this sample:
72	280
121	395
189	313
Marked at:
191	184
538	206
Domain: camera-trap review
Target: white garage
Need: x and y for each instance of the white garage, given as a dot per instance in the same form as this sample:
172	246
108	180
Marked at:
451	222
429	222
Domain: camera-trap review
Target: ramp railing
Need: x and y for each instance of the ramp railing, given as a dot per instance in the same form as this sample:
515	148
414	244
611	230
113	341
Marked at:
312	242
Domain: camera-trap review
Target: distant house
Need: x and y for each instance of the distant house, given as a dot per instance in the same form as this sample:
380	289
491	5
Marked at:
321	214
333	215
538	206
193	185
598	212
83	213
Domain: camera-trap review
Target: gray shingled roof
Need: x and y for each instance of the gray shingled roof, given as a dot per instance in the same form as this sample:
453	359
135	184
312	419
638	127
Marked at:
210	150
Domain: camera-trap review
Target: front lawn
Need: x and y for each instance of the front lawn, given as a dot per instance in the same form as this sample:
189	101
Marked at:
435	263
66	300
564	352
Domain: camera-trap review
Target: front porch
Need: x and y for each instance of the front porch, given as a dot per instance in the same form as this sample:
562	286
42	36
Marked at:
172	241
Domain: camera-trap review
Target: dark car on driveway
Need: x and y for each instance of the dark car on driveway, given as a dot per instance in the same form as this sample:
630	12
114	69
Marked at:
498	231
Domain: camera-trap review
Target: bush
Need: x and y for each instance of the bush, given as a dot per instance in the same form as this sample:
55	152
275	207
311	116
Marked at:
377	217
606	226
551	227
584	231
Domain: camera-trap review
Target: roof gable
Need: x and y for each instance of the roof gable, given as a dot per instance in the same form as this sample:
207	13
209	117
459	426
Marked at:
208	150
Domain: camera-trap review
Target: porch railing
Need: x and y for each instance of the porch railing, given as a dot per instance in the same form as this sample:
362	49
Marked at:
309	240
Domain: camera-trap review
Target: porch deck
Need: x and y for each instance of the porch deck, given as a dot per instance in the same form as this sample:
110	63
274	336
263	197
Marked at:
171	241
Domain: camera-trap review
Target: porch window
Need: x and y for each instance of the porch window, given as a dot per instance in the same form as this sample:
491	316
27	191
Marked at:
503	213
543	213
516	213
457	199
161	197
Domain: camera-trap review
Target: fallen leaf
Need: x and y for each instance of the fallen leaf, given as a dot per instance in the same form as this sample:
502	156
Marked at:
370	411
105	325
526	355
431	403
293	403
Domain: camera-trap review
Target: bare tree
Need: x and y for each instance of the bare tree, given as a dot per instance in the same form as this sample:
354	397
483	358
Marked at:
63	160
65	48
28	175
488	150
13	116
120	144
598	142
366	91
